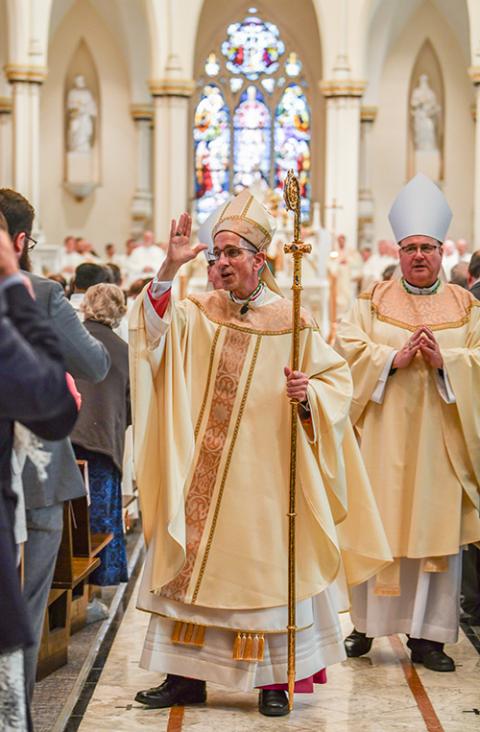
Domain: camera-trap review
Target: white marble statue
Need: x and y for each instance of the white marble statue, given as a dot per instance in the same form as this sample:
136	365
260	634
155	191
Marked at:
81	111
425	111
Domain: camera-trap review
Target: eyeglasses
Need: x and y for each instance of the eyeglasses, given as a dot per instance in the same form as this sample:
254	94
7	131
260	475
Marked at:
412	249
33	243
230	252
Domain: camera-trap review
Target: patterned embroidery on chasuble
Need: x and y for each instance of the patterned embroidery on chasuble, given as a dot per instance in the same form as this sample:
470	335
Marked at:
273	319
448	308
198	502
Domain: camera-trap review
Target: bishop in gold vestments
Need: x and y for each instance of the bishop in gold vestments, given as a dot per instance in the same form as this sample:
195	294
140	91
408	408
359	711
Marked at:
212	444
414	350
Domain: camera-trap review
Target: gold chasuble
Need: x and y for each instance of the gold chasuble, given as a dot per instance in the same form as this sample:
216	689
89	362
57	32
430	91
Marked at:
422	454
212	451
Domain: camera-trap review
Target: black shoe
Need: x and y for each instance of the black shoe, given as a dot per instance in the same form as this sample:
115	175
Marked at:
357	644
470	619
273	703
431	654
176	691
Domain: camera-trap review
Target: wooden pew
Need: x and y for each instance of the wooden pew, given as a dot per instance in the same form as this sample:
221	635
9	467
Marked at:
67	605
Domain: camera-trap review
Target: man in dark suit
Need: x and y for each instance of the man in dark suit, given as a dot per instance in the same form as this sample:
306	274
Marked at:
34	392
84	358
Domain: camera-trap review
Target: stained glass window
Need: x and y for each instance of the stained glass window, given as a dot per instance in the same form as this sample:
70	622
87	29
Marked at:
292	141
212	150
252	128
212	67
252	48
293	65
252	120
268	85
236	84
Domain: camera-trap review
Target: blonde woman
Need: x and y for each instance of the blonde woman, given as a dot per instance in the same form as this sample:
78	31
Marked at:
99	434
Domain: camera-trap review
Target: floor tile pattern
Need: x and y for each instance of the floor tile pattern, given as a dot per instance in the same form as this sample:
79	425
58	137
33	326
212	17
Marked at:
368	694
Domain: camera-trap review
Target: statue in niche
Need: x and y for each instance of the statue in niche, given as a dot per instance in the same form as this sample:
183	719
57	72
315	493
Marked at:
81	111
425	111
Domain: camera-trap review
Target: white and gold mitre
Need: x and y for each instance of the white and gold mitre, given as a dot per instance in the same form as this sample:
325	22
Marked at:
245	216
205	231
420	208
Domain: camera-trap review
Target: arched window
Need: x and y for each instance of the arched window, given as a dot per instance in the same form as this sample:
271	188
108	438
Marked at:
252	120
212	150
292	141
252	135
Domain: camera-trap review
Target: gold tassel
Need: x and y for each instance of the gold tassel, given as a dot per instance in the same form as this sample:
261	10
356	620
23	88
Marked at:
248	652
249	647
236	647
189	634
261	646
242	645
177	629
199	636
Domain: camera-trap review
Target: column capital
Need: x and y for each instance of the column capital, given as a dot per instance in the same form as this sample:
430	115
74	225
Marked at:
141	112
342	88
368	114
6	105
474	73
26	74
172	87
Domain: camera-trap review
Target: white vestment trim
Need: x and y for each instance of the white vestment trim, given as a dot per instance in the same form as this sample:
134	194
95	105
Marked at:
428	607
317	647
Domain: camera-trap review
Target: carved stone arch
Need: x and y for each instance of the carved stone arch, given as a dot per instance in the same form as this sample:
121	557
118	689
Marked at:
427	62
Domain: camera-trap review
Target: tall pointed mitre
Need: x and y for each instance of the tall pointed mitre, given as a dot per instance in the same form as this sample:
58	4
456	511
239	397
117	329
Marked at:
205	230
247	217
420	208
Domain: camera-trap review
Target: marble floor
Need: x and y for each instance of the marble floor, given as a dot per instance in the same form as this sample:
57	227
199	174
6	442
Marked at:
378	693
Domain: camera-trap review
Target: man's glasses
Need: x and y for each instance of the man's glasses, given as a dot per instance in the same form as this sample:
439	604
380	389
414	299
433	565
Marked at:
412	249
230	252
33	242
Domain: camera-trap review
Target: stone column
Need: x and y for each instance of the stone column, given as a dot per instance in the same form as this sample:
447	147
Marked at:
172	143
475	75
342	156
26	83
6	142
142	208
365	196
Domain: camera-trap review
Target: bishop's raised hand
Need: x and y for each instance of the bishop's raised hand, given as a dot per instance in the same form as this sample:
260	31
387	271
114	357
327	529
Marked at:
180	250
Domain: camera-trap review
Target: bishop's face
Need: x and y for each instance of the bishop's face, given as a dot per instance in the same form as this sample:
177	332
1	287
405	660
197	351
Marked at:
420	260
237	268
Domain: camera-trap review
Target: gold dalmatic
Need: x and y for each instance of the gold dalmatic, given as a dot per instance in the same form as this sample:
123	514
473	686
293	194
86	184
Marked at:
297	248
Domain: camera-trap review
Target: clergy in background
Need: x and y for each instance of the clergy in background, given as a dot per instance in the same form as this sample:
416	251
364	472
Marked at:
345	266
211	388
414	350
145	259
